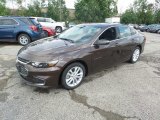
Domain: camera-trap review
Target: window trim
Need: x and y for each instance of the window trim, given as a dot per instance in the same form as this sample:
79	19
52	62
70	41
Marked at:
20	19
103	32
117	33
44	20
120	34
10	19
134	30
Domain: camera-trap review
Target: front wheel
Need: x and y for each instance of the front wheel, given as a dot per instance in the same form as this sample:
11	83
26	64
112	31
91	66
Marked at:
135	55
73	75
24	39
158	32
58	29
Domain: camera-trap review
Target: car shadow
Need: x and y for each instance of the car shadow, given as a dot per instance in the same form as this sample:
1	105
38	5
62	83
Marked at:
8	43
100	74
88	79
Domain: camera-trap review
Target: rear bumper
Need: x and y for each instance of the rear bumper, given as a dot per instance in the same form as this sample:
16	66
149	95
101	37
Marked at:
36	35
64	28
51	33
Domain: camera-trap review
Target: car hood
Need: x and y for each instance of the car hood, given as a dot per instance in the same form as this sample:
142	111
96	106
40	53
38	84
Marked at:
46	50
63	23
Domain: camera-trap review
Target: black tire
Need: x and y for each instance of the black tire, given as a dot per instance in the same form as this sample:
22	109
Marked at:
64	74
25	42
132	56
46	34
58	29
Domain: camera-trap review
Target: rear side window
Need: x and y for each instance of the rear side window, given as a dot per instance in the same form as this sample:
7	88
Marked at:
124	31
48	20
133	31
8	22
26	21
34	21
41	20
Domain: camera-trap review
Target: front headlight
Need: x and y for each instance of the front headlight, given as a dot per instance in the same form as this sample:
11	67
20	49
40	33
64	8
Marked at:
44	65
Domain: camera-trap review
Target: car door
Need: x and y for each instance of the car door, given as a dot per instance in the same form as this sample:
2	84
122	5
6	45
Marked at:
43	22
105	56
125	43
51	23
46	22
7	29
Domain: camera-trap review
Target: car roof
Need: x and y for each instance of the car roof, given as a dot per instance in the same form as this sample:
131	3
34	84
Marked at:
42	17
14	17
104	25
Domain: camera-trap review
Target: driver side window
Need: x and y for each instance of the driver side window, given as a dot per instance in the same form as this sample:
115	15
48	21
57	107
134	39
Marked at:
110	34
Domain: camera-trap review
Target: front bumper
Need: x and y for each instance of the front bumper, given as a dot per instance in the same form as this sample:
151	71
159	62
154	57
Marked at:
39	77
41	85
64	28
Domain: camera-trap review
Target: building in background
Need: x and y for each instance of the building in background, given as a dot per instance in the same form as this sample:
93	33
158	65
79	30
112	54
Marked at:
113	20
71	13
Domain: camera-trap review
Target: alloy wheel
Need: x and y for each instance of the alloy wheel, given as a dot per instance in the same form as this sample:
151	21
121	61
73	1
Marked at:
58	29
23	40
136	55
74	76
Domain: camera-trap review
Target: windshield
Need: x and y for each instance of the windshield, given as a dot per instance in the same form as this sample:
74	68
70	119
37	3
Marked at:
158	26
80	33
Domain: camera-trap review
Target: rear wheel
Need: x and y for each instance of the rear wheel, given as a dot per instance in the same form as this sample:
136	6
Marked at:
46	34
73	75
58	29
24	39
135	55
158	32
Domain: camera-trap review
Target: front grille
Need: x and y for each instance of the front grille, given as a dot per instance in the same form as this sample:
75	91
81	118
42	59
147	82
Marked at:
22	70
36	80
23	60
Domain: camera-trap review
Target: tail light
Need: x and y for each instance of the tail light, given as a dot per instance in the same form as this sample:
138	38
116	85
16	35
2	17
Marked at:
34	28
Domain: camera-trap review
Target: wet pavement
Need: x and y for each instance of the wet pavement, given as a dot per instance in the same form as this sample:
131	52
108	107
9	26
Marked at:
123	92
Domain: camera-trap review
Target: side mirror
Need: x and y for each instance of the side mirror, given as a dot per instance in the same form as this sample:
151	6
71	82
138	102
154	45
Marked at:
102	42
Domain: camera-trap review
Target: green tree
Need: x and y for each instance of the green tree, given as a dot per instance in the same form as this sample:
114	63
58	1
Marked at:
129	17
34	10
157	16
144	11
95	10
21	10
140	13
57	10
3	9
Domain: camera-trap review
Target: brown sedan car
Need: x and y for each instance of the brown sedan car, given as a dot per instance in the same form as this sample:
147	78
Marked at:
79	51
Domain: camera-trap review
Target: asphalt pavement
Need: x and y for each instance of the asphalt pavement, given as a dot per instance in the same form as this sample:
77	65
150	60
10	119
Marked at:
123	92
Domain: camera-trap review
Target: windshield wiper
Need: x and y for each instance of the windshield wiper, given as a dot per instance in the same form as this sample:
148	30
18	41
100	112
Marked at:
69	40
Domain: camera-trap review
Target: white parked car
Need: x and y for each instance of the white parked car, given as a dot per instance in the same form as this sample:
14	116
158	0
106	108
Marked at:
49	22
